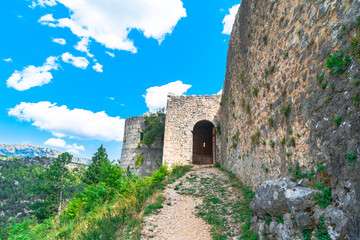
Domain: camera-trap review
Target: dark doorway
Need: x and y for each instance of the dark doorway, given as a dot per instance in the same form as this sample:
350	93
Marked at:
204	143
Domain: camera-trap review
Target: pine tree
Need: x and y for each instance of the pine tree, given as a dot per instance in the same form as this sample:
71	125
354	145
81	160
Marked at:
53	184
94	172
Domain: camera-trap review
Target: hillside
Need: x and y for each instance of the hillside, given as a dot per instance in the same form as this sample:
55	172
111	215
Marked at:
17	176
31	151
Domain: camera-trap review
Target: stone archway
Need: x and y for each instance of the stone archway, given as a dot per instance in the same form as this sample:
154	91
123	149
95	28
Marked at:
204	141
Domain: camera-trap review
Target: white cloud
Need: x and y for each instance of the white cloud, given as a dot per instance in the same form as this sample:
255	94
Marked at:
80	62
64	122
111	98
58	142
60	41
220	92
110	54
229	19
109	22
8	60
83	46
33	76
98	67
156	97
43	3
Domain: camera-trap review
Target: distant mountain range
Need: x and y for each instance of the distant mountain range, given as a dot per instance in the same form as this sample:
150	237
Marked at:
31	151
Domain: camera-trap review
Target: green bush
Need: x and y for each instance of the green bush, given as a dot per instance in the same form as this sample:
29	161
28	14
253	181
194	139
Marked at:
285	109
139	161
271	122
154	127
337	121
336	63
324	198
351	157
109	209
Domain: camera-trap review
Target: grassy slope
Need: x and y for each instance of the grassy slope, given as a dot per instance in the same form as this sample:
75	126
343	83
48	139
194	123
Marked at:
112	209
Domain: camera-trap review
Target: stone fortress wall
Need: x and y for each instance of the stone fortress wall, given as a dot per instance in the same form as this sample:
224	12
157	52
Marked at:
280	102
182	113
133	150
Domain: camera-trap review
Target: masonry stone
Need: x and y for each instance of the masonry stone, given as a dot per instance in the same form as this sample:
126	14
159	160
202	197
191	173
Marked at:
133	149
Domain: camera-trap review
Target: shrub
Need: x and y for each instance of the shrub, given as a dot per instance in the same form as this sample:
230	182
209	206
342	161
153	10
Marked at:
256	91
356	82
322	234
154	127
139	161
283	141
265	40
351	157
324	198
320	168
356	98
291	142
336	63
337	121
255	138
306	234
280	219
271	122
355	46
218	129
285	109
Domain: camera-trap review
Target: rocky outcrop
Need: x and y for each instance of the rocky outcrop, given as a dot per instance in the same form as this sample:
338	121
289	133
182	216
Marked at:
283	209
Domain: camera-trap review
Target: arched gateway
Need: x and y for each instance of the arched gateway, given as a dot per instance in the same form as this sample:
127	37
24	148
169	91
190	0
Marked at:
204	140
189	138
190	129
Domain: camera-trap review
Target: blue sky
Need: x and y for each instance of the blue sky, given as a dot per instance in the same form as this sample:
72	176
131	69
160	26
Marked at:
72	70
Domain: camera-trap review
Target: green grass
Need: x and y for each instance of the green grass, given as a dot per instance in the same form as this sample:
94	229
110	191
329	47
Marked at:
155	205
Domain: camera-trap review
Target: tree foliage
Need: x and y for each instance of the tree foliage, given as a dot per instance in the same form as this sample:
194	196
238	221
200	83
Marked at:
154	127
93	174
54	183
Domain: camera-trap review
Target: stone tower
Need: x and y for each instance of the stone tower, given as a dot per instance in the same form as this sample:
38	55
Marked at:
135	155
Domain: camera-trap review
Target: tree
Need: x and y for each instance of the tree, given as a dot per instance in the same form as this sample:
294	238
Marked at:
93	173
53	183
154	127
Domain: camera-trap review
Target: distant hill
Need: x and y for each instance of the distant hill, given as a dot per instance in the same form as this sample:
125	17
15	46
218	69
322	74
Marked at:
31	151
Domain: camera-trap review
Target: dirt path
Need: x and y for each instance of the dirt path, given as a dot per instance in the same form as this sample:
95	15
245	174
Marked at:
177	220
205	192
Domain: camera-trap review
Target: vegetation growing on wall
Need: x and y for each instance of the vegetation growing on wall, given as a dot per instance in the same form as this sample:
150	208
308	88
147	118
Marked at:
139	161
154	127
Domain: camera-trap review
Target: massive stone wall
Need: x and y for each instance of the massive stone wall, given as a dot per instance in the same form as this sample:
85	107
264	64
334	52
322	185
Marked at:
133	150
182	113
280	102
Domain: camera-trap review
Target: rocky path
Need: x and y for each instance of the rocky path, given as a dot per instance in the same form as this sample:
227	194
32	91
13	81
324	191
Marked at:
202	197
